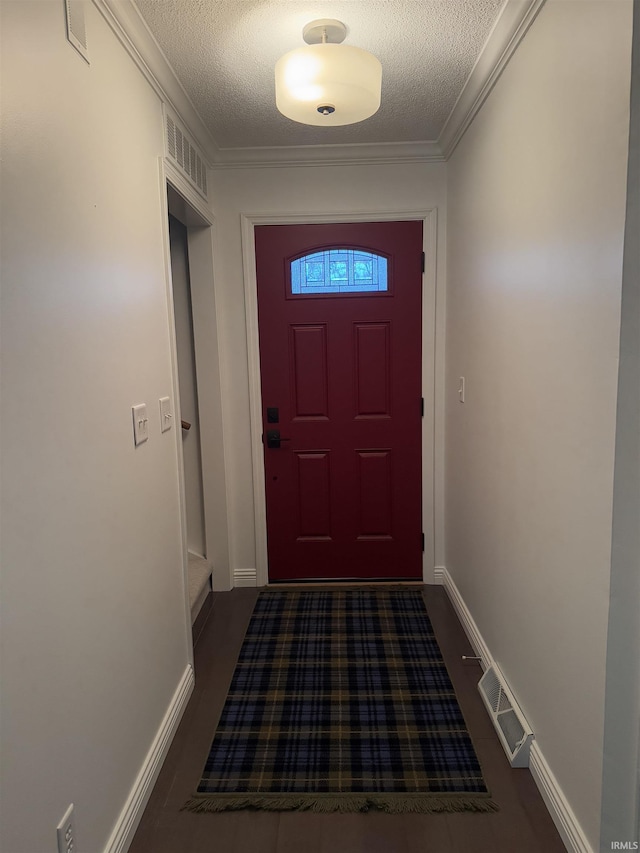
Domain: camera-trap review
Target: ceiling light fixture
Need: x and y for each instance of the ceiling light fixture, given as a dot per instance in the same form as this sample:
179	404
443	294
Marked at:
328	83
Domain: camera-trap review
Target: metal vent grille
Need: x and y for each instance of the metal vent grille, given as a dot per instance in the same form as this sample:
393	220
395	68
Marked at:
76	28
511	726
171	138
492	689
186	155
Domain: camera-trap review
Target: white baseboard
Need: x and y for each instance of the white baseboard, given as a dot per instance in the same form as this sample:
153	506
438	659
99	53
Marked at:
561	812
245	577
127	823
476	639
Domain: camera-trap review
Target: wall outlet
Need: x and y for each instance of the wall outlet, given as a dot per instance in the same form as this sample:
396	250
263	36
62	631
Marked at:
66	830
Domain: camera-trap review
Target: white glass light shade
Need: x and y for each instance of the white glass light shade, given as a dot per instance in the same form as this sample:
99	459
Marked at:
342	78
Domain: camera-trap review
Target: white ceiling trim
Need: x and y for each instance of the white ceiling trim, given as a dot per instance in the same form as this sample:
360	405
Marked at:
367	154
510	28
508	31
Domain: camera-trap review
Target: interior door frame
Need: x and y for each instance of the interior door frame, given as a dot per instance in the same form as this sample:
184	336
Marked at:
200	224
430	488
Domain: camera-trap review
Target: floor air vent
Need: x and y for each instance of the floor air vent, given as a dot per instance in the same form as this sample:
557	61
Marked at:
185	155
513	730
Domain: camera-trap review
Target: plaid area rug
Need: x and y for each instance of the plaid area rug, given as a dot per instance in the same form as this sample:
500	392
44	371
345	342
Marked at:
340	701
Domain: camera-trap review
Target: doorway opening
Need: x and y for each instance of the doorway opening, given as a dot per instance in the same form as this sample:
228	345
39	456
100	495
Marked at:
197	393
188	420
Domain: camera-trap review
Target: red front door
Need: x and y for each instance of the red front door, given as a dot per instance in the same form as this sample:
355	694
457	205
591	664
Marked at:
339	310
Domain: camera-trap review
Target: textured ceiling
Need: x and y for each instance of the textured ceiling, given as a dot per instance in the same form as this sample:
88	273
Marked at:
224	53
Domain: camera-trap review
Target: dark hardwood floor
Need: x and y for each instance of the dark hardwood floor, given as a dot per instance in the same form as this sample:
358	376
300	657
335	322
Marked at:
522	825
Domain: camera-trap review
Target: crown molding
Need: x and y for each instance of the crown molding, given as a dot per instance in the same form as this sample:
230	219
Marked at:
367	154
510	28
508	31
133	33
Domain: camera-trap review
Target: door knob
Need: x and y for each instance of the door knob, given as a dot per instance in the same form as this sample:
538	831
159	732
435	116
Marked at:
274	438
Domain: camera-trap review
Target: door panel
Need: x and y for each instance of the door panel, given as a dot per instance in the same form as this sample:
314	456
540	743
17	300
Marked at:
372	369
343	369
314	496
376	497
309	368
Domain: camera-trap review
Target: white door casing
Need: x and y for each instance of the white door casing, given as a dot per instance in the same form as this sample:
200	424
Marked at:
432	492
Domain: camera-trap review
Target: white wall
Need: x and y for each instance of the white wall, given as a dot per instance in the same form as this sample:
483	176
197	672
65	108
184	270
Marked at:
291	191
621	777
536	208
94	630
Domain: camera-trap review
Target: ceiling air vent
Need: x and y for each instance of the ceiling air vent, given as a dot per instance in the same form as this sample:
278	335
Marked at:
185	155
511	726
76	30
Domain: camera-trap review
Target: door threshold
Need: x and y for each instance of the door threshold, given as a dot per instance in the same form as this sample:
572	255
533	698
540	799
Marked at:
348	581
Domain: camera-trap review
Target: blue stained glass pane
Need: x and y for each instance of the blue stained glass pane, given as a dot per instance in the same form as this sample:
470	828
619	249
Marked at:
314	271
339	271
362	270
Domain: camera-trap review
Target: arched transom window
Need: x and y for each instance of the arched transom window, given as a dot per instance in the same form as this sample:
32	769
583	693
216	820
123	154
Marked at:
339	271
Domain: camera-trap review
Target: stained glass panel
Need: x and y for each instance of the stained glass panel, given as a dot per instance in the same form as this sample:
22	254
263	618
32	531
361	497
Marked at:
339	271
314	271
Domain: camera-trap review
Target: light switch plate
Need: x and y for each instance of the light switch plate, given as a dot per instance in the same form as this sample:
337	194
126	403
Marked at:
66	832
166	415
140	423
